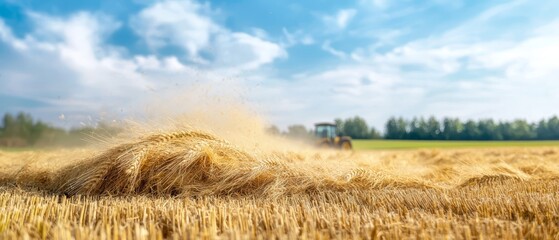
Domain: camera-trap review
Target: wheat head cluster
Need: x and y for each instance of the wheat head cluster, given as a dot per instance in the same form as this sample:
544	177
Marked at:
186	184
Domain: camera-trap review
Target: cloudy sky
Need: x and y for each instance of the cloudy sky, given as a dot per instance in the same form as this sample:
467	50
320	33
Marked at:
298	62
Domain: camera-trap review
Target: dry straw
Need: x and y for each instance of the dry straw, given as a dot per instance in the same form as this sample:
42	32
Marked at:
195	163
224	191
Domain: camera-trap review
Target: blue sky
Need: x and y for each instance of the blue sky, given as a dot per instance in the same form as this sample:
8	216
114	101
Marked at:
298	62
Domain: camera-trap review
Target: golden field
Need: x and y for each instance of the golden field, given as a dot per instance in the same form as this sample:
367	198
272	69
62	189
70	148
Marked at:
186	184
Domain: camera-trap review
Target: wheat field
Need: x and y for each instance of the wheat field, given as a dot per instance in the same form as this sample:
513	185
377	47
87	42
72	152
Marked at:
188	183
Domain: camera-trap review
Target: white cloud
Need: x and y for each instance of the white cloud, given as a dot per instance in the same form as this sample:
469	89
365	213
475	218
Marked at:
307	40
532	58
378	3
341	19
344	16
326	46
68	66
240	51
78	41
153	63
187	24
7	36
72	66
297	37
462	48
343	91
467	76
459	73
75	71
181	23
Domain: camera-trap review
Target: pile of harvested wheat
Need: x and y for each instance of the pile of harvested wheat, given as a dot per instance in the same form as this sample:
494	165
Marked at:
194	163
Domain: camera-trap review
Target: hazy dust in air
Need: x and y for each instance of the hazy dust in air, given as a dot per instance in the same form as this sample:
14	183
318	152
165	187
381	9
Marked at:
206	142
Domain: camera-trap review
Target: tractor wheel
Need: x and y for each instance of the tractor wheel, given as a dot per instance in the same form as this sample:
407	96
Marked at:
346	145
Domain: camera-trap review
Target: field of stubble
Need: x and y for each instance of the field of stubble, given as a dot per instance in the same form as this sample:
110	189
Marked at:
189	184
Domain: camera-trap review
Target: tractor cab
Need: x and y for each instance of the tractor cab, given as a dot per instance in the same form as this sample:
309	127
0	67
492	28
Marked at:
325	130
326	133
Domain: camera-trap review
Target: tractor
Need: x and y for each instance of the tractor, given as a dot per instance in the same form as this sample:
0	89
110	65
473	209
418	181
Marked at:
327	137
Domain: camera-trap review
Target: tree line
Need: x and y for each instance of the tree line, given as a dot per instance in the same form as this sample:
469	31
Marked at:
356	128
484	129
420	128
21	130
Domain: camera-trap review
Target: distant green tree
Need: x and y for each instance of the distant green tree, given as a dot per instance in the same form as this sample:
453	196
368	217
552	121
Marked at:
38	131
12	132
22	130
433	129
9	126
391	129
553	128
471	131
522	130
374	134
356	128
18	130
419	129
396	128
339	126
543	130
489	130
7	120
485	129
452	129
506	130
414	131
